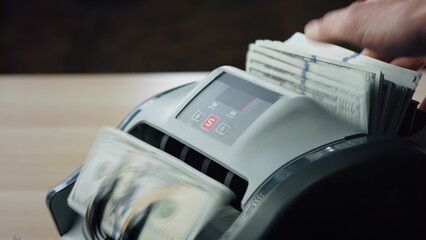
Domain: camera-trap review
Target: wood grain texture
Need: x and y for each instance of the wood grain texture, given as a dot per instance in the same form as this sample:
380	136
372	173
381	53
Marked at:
47	126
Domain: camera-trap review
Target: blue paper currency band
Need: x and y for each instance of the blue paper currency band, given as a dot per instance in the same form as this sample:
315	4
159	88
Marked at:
346	59
305	70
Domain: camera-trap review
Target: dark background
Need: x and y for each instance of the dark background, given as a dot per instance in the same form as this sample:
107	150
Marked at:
85	36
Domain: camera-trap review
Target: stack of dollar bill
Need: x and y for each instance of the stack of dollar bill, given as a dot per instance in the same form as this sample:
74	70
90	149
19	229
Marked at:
167	198
371	94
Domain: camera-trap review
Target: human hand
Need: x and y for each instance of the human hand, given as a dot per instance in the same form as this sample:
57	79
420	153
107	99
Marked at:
390	30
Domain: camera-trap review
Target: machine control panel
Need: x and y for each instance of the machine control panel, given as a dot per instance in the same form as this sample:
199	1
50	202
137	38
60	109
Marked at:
227	107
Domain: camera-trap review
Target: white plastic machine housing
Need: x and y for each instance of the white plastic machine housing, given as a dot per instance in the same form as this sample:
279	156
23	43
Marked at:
257	134
248	126
287	127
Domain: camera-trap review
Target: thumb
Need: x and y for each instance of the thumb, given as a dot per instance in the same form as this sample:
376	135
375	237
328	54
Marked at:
330	28
347	24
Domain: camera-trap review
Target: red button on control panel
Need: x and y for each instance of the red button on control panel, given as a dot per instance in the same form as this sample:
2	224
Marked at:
210	122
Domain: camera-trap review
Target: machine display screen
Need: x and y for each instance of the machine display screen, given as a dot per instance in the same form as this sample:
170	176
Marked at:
227	107
235	99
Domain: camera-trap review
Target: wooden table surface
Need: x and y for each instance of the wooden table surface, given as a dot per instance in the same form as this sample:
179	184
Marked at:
47	126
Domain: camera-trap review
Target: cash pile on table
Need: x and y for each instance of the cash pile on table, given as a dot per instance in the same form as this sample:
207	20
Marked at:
127	186
369	93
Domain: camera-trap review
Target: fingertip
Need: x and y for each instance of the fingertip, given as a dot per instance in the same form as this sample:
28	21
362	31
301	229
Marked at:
312	29
373	54
412	63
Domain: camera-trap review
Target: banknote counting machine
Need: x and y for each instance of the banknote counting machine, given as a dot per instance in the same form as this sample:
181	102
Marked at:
298	171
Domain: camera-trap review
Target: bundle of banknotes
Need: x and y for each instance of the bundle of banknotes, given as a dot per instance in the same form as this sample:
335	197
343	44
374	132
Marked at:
369	93
126	183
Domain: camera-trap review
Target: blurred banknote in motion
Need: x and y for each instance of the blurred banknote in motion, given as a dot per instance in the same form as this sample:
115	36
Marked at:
152	190
15	236
371	94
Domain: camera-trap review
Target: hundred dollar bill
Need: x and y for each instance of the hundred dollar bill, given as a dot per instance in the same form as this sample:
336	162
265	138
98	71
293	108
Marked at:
395	74
144	178
405	80
105	157
178	215
178	207
329	66
349	107
331	78
307	70
347	74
